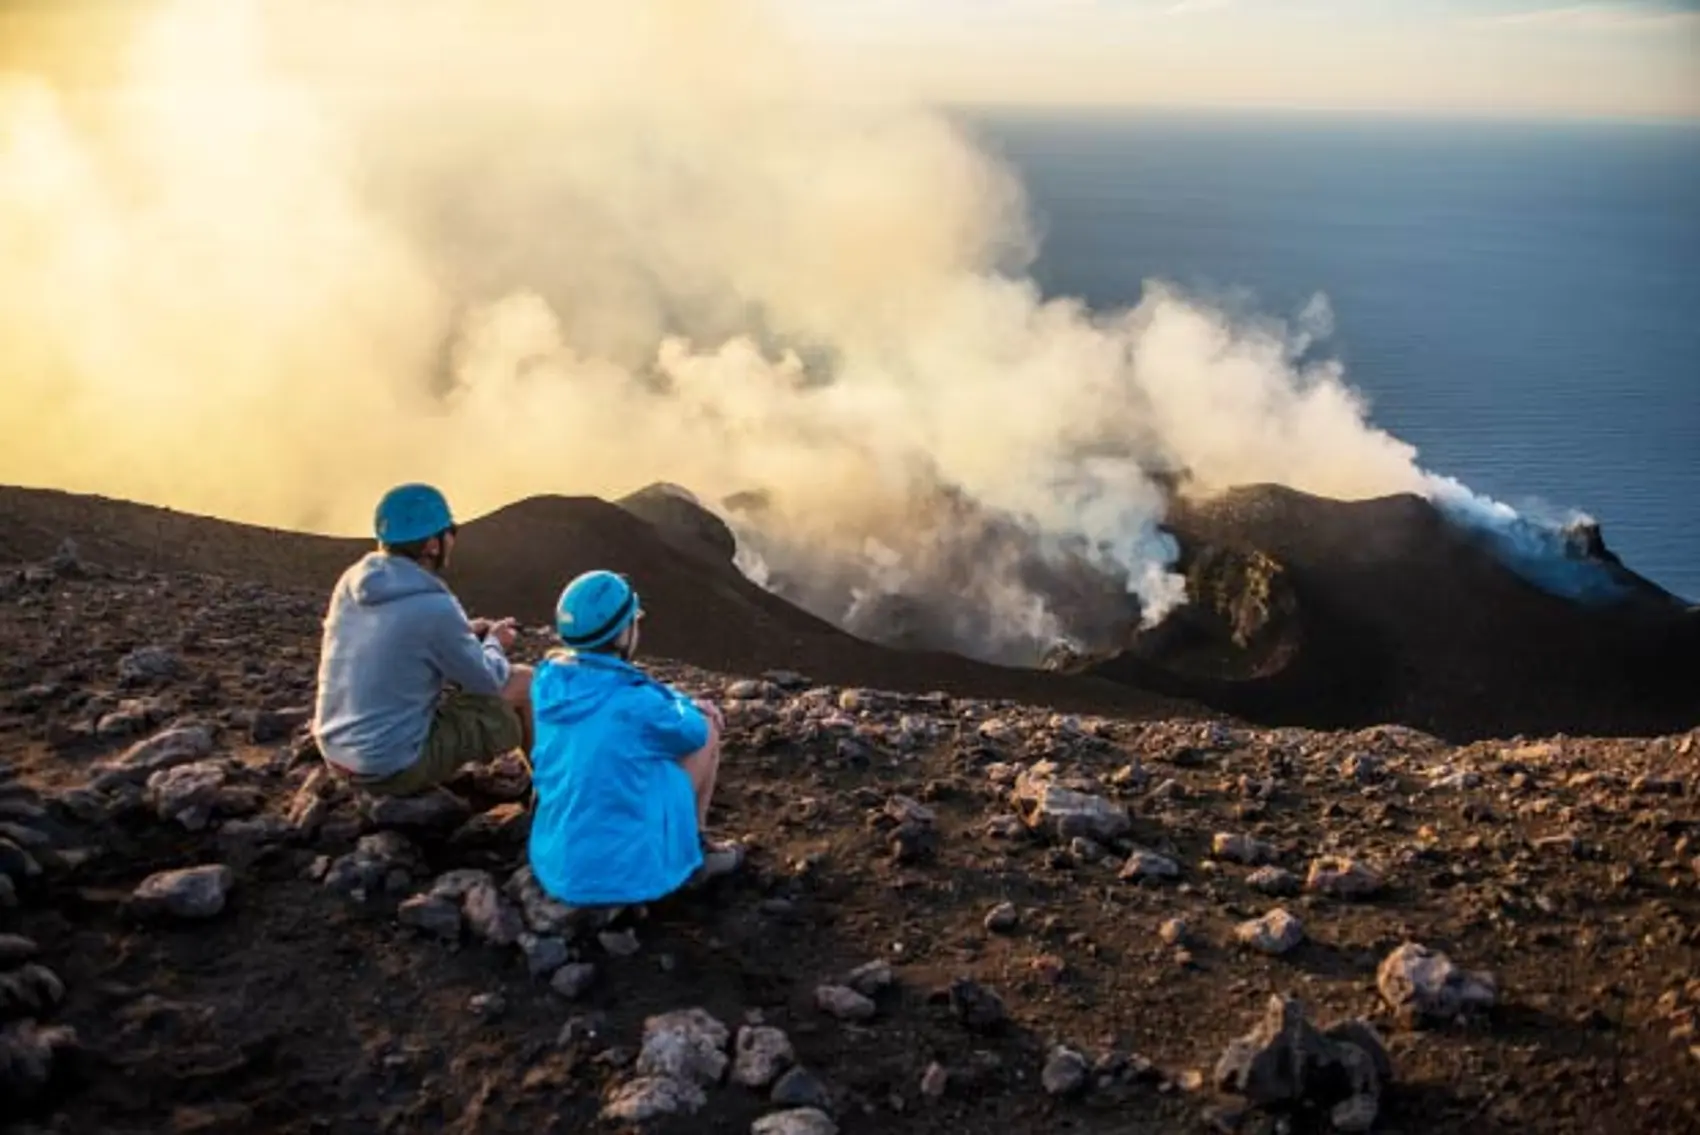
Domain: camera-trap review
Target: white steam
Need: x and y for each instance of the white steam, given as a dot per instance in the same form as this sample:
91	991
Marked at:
302	251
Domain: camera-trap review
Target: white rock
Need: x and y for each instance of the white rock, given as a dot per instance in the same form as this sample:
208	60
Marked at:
1423	984
797	1121
1275	933
192	892
762	1054
685	1045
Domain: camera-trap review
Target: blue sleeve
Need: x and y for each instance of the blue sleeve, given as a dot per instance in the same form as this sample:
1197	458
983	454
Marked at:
476	666
672	725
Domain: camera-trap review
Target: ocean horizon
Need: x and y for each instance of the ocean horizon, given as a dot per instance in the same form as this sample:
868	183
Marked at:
1519	299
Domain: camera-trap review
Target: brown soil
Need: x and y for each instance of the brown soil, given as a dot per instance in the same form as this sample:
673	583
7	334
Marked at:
301	1010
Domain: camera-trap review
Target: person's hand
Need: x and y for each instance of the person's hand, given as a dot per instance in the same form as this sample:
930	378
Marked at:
480	627
712	712
504	632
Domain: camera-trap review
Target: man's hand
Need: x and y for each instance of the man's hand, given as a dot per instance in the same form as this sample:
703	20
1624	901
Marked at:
504	630
712	712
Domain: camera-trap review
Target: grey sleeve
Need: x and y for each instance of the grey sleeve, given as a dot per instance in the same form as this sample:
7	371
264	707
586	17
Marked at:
478	667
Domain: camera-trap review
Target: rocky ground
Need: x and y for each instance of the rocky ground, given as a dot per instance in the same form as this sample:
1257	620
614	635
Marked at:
956	915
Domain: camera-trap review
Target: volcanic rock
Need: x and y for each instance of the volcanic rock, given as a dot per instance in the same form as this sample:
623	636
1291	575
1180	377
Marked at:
1065	1073
1286	1063
1342	878
1275	933
798	1121
192	892
762	1054
1422	985
844	1003
688	1045
1064	813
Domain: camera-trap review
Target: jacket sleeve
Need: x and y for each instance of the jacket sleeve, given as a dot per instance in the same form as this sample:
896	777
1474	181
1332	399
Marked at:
478	667
672	726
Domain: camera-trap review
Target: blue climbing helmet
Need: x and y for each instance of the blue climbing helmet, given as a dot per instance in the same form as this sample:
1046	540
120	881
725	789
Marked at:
409	513
595	608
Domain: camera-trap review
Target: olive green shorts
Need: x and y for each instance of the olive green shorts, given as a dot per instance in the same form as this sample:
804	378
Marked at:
466	728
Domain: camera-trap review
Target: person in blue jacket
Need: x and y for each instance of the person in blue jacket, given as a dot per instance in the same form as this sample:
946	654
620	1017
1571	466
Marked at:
623	766
409	688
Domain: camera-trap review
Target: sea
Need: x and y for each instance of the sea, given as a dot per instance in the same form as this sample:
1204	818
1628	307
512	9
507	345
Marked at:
1520	301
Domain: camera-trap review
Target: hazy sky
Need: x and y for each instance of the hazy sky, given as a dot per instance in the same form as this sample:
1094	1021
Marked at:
1609	57
1634	58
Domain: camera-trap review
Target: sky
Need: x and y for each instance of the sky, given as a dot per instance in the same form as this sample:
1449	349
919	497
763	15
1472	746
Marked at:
1513	58
1610	58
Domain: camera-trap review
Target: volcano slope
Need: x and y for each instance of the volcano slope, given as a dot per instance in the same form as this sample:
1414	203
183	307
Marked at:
701	609
1324	612
1021	921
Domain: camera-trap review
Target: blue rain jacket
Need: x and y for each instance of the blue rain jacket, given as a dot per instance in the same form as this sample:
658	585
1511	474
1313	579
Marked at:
616	819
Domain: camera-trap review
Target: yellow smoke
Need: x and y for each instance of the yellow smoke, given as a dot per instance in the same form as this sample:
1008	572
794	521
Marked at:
291	253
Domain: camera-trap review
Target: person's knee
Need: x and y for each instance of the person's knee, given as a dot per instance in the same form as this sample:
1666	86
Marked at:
518	688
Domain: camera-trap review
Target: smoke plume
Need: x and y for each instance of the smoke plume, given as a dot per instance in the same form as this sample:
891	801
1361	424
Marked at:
292	253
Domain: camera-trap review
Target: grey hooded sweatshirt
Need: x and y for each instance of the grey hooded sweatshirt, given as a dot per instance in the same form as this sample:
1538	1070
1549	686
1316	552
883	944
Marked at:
394	636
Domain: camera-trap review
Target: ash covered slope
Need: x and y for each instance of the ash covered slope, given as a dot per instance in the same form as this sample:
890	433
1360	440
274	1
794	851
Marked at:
515	561
1353	613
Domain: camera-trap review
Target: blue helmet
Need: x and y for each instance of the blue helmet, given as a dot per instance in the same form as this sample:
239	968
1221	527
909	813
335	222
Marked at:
409	513
595	608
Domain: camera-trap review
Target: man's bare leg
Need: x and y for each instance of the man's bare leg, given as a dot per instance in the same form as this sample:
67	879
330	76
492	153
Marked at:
517	693
703	767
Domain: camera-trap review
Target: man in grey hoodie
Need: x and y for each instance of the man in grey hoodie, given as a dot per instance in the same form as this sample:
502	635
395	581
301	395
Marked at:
410	689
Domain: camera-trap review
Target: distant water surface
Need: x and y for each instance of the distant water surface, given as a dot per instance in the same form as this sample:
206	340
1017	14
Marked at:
1519	301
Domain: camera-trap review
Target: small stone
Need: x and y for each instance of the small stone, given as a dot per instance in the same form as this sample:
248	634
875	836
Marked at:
149	664
1286	1062
544	954
573	980
870	977
800	1088
487	1004
505	824
1005	827
1173	931
844	1003
1148	866
432	915
15	950
1065	1072
31	990
1275	933
762	1053
798	1121
906	810
685	1045
438	811
935	1081
163	750
1342	878
1064	813
619	943
193	892
976	1006
1241	849
1273	881
490	916
1002	918
649	1097
1421	985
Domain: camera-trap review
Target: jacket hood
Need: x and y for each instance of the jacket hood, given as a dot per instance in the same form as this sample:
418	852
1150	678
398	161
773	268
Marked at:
381	578
570	687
